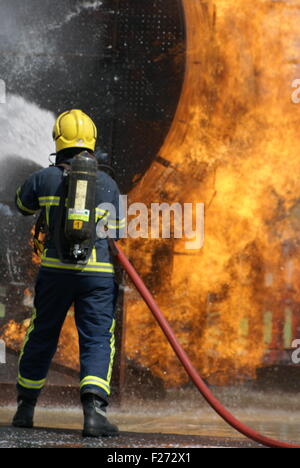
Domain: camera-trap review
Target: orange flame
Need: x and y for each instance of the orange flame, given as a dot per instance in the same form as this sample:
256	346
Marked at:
233	145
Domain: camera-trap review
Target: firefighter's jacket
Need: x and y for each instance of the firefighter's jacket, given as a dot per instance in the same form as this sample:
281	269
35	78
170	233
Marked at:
42	191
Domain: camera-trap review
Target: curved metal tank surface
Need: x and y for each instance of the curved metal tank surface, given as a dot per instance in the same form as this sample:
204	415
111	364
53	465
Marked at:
122	62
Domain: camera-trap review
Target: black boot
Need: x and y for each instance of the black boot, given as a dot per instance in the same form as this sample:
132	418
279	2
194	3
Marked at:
25	412
95	421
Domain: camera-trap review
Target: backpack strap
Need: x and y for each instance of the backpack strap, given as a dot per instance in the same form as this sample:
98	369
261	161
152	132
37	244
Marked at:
58	235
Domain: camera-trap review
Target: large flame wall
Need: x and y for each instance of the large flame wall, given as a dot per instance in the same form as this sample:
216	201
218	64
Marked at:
234	145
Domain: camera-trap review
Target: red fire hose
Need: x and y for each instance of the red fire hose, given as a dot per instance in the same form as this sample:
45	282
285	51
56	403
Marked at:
185	361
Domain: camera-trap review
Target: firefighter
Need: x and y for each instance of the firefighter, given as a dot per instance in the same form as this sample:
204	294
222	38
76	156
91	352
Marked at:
65	277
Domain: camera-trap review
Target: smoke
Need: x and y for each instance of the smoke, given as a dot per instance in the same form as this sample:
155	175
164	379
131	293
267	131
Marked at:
25	130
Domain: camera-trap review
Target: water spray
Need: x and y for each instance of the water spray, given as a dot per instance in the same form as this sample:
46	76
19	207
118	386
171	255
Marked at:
185	361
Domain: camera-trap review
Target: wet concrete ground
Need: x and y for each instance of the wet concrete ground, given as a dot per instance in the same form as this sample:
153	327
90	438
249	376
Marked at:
182	420
70	438
62	428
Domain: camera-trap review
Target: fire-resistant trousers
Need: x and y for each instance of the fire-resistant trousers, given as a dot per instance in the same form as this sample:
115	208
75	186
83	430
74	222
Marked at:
94	299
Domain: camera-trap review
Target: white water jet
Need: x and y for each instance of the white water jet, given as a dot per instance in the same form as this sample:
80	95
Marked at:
25	130
88	5
5	210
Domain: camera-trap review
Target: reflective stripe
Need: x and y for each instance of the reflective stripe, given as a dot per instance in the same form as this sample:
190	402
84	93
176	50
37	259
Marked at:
29	330
101	211
27	383
54	201
91	266
33	384
101	214
93	380
114	223
23	207
47	215
49	201
112	350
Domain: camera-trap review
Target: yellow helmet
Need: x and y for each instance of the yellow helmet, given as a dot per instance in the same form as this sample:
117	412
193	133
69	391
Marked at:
74	129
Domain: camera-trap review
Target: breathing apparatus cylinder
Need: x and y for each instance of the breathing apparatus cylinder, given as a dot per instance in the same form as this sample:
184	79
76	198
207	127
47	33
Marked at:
80	229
